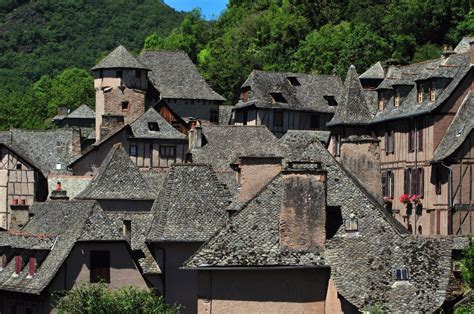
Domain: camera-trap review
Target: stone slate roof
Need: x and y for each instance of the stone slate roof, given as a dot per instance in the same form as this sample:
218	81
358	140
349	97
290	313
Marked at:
191	206
174	75
460	128
82	112
308	96
117	179
120	57
453	69
44	149
225	114
354	109
464	44
362	263
374	72
140	128
225	143
251	238
58	226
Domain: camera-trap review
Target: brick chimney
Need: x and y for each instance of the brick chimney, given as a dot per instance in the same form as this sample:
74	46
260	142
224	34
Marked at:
360	155
19	214
110	123
58	194
303	209
254	173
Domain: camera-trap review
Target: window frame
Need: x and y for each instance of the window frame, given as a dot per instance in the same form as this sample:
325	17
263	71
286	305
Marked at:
165	151
153	126
125	105
396	98
432	92
419	93
402	274
133	147
380	102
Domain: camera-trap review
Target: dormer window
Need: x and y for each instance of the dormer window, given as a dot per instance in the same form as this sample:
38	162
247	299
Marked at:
32	266
432	92
396	98
293	80
18	264
153	126
401	273
352	223
419	92
277	97
125	105
380	103
331	100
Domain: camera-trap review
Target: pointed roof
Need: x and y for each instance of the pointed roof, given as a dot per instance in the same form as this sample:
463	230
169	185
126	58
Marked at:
141	127
354	109
117	179
82	112
374	72
120	57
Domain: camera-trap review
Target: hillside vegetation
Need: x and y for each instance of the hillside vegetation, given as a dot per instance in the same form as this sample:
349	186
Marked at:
39	39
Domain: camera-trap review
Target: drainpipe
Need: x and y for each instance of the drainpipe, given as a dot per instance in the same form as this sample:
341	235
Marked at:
450	194
416	168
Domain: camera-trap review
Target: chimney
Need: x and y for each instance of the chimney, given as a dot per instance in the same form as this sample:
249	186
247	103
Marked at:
254	173
195	135
110	123
62	111
360	155
303	209
19	214
58	194
447	51
76	141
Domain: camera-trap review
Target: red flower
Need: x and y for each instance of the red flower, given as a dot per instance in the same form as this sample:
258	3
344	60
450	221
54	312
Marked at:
404	198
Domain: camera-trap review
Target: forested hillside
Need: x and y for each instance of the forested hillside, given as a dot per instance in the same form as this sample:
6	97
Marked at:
322	36
39	39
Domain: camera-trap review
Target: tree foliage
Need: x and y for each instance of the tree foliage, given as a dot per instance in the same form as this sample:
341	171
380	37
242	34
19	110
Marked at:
97	298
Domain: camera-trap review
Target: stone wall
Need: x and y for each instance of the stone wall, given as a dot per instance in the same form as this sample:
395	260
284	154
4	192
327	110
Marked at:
255	173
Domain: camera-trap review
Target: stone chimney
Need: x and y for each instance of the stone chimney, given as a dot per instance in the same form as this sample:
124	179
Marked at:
303	209
62	111
58	194
19	214
360	155
195	135
254	173
110	123
76	141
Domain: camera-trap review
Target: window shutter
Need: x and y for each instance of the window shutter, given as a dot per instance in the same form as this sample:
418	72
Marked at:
387	149
406	183
410	140
384	184
414	181
392	184
392	142
421	182
420	139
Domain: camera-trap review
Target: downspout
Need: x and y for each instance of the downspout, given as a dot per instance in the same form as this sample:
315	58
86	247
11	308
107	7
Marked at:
450	196
416	167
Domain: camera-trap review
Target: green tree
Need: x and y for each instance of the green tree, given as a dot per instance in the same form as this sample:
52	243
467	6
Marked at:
97	298
467	265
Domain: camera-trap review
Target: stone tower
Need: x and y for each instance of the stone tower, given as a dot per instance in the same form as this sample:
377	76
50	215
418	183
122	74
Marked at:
120	83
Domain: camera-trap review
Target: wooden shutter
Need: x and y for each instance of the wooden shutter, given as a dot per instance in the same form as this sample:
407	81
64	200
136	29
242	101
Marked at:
420	139
392	142
392	184
411	140
421	181
414	181
387	149
100	266
406	182
384	183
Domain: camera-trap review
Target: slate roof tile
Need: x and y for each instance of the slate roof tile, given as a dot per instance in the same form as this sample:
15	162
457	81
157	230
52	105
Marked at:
141	129
120	57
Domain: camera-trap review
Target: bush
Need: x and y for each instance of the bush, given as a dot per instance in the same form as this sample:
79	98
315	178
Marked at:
97	298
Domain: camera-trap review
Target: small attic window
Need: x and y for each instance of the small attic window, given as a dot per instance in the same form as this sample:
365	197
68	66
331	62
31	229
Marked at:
278	97
58	166
352	223
153	126
401	273
331	100
125	105
294	81
19	166
460	131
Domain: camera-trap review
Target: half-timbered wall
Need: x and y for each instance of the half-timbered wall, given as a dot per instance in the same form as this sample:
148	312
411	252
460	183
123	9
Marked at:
154	154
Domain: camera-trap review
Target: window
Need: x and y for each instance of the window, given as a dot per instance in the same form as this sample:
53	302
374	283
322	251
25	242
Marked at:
314	122
333	220
18	264
411	140
118	74
153	126
167	151
419	92
99	266
278	118
127	229
133	151
138	74
32	266
396	98
401	273
277	97
214	116
293	80
388	184
389	142
352	223
432	92
125	105
419	144
414	181
18	166
331	100
381	104
438	183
